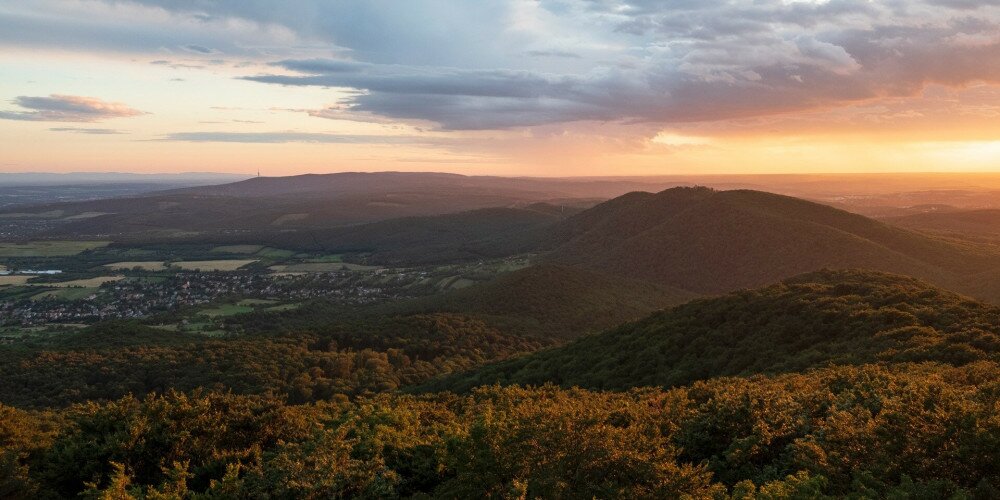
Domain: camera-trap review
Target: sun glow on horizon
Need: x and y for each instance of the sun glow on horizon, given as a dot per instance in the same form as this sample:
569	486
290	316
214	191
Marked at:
546	88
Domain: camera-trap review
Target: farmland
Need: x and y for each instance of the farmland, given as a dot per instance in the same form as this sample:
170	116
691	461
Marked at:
238	249
213	265
142	265
9	280
48	248
68	293
88	282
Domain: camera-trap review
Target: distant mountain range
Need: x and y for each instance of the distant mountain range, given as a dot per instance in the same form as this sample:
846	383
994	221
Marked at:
323	201
75	178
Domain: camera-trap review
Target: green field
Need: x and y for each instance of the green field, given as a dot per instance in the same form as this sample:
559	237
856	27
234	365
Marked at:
48	248
255	302
327	258
238	249
226	310
245	306
274	253
212	265
144	265
283	307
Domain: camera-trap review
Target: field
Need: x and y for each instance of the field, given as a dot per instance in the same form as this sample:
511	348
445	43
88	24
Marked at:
255	302
48	248
238	249
226	310
51	214
18	279
145	266
327	258
321	267
274	253
75	293
212	265
255	250
89	282
245	306
86	215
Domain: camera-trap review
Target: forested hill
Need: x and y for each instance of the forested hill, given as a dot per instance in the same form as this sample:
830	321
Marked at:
711	241
556	301
828	317
545	302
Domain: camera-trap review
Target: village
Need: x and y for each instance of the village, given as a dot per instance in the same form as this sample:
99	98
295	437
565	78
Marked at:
137	297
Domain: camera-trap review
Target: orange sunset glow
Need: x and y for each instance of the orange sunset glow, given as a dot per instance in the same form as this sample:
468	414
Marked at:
521	87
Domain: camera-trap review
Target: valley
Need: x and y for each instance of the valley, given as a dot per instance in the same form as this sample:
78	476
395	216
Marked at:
651	316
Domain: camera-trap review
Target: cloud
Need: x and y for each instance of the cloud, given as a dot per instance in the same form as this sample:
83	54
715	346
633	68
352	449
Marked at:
689	61
292	137
129	27
553	53
92	131
67	108
199	49
497	64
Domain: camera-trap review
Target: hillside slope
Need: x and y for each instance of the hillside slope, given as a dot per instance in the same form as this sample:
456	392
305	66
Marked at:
547	303
556	301
312	201
482	233
828	317
715	241
975	225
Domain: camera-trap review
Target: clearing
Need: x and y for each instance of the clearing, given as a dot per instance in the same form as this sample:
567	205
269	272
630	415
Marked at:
48	248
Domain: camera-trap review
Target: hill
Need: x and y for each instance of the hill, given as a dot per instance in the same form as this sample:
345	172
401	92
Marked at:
711	241
312	201
828	317
558	301
975	225
547	303
112	360
474	234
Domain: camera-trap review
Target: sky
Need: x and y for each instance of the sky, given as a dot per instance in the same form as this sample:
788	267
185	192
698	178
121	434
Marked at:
515	87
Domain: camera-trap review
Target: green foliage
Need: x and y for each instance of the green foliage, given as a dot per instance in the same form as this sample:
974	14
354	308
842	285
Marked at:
912	431
822	318
117	359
